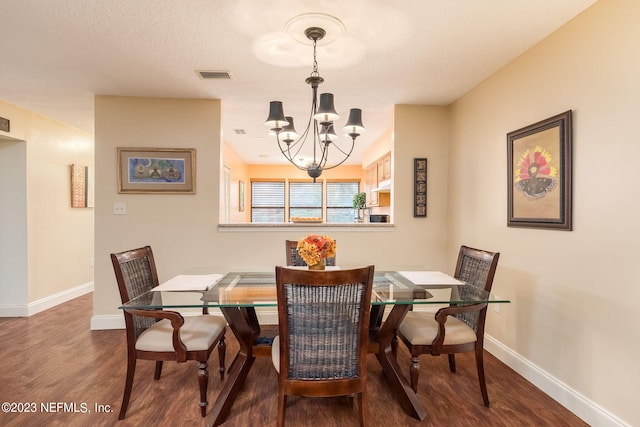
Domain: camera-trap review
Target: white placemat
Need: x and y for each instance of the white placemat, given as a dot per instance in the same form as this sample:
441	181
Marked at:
189	282
430	278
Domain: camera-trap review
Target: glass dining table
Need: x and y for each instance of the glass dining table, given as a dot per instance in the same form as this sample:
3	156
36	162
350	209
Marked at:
238	294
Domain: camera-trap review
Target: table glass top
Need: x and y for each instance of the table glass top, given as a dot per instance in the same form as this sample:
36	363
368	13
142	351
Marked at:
257	289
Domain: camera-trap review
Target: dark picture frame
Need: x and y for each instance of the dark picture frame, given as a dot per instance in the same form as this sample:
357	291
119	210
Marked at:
420	187
539	187
157	170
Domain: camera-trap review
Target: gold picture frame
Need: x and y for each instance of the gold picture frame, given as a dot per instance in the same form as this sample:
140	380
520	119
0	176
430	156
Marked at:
156	170
539	174
241	196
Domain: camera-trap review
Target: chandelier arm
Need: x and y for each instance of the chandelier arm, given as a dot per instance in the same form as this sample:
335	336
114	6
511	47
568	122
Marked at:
317	143
353	141
286	152
287	155
299	143
324	148
311	121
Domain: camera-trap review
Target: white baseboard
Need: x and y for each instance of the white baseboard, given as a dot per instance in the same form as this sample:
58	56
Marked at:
107	321
40	305
584	408
14	310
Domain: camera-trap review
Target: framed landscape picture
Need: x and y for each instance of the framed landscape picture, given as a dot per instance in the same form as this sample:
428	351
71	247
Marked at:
156	170
539	174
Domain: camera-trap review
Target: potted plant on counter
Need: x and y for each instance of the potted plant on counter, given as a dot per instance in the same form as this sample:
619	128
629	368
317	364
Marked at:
359	203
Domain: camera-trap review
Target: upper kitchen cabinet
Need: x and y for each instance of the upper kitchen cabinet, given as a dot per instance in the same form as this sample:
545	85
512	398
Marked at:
378	182
370	184
384	168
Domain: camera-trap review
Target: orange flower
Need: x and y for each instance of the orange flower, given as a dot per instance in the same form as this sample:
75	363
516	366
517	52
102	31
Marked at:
314	248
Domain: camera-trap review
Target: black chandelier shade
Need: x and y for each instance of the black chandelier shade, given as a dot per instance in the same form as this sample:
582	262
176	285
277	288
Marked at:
276	120
319	129
326	111
354	126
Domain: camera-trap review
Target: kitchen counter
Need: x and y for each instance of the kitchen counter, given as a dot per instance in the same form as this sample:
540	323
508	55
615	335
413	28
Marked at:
253	227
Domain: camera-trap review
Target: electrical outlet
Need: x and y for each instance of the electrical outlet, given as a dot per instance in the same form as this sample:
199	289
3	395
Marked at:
496	306
119	208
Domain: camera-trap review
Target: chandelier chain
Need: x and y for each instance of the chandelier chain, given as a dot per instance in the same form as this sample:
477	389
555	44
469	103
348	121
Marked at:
315	73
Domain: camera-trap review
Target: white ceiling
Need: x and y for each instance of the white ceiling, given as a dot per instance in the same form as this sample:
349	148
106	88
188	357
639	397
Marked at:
55	55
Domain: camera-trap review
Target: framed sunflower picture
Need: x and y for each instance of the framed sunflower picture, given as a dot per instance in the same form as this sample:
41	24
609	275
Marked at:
539	174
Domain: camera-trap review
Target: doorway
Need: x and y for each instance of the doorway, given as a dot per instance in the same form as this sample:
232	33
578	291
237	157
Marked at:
14	285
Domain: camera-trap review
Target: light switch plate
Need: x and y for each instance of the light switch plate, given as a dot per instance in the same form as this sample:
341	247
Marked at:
119	208
496	306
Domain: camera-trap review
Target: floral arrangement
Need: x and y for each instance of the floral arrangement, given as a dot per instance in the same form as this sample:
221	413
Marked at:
315	248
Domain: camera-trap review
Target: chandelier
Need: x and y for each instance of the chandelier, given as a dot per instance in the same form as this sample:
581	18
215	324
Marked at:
319	130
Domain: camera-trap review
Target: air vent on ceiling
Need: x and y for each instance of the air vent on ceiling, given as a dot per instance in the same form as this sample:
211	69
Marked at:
214	74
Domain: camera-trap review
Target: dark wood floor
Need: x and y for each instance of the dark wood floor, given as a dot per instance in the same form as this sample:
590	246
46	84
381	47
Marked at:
53	357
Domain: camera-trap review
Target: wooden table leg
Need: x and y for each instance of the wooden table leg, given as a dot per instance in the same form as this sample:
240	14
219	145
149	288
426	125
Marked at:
244	326
399	384
375	317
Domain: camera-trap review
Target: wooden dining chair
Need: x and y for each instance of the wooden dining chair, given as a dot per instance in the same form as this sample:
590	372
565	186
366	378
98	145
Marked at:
321	349
160	334
453	329
295	260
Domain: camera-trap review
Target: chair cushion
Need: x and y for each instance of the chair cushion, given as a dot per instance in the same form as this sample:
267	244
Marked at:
197	333
275	353
421	329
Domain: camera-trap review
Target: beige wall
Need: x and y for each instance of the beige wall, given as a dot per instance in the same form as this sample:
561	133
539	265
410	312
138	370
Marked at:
573	312
422	131
51	240
180	227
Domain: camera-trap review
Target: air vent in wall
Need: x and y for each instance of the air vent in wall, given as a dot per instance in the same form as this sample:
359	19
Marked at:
214	74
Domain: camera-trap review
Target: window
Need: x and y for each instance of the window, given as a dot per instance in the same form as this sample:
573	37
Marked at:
340	201
305	199
267	201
